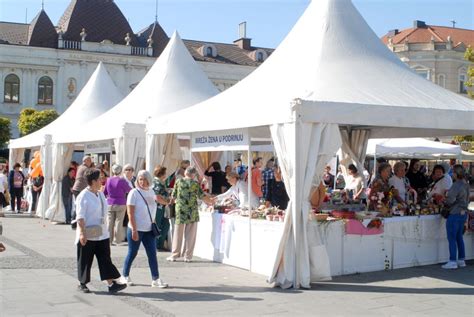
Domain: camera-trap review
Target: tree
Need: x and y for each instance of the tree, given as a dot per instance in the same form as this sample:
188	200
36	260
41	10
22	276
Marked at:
469	56
32	120
5	133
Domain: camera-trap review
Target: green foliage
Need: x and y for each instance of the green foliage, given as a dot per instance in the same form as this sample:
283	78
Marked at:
461	138
469	56
5	132
31	120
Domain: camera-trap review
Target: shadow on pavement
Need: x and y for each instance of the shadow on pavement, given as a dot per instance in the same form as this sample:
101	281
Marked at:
171	296
239	289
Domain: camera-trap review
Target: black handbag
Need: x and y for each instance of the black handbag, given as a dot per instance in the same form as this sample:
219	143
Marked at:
445	211
154	227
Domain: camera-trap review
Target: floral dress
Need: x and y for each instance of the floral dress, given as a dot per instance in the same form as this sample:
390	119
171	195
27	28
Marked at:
186	193
379	186
159	188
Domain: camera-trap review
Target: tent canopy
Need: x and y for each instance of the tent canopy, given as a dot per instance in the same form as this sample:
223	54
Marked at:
174	82
98	95
412	148
338	71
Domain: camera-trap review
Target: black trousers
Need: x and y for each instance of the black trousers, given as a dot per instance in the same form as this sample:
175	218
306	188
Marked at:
35	195
85	257
16	194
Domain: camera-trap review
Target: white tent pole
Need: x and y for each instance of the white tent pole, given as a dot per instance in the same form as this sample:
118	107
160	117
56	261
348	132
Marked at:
249	184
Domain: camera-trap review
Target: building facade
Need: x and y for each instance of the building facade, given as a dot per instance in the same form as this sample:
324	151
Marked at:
434	52
43	66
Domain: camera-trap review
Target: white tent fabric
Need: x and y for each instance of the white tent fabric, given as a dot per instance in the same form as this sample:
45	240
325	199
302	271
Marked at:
412	148
331	68
303	150
61	155
98	95
342	73
353	150
174	82
46	166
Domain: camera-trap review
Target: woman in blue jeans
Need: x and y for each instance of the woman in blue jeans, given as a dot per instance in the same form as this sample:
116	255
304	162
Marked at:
457	201
141	207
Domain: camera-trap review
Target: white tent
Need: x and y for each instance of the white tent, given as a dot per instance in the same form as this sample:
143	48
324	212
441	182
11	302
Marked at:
98	95
330	83
174	82
412	148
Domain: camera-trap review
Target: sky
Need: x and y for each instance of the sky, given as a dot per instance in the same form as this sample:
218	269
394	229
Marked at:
268	21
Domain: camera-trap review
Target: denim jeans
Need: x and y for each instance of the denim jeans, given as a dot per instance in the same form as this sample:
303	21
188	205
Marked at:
67	208
149	242
454	229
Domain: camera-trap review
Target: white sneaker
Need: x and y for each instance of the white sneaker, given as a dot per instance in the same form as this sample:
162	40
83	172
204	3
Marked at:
170	259
187	260
159	283
461	263
126	280
451	265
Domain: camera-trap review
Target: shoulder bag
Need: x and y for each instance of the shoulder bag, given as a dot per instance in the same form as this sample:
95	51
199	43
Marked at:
154	227
95	231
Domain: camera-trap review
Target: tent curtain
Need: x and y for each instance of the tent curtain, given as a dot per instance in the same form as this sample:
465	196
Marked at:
130	150
46	166
162	150
354	148
303	149
16	156
61	156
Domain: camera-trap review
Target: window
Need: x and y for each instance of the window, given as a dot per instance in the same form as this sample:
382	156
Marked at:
45	91
12	89
442	80
462	84
209	52
423	73
259	57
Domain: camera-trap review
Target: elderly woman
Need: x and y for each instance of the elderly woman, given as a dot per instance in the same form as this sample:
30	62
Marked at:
116	190
162	199
16	180
457	201
401	183
380	185
92	237
186	193
239	190
128	172
141	208
441	183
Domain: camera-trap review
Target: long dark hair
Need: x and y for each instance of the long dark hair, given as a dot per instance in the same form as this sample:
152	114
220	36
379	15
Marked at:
412	163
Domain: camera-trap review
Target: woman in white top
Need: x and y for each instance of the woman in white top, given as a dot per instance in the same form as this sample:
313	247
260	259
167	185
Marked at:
441	182
239	190
356	184
3	188
401	183
91	211
141	207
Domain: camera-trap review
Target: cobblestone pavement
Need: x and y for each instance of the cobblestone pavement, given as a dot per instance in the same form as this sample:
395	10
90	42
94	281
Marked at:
38	278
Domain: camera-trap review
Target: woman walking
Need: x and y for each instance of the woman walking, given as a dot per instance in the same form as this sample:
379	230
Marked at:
140	204
457	201
92	237
16	180
116	190
186	193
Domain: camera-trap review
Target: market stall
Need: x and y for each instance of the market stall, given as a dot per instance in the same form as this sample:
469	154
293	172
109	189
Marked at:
300	104
98	96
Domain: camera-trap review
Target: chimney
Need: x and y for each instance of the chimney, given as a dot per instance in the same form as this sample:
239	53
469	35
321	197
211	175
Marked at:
392	33
419	24
243	42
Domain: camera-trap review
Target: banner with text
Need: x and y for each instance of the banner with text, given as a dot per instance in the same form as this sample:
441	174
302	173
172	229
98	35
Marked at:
228	140
98	147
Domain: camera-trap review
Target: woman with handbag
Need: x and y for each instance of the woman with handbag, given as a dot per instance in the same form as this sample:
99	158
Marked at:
142	228
92	236
457	202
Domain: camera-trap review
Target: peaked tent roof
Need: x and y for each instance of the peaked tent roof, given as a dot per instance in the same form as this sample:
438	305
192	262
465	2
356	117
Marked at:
173	83
98	95
412	148
344	74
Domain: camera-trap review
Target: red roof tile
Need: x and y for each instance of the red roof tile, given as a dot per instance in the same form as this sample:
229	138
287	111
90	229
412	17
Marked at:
439	33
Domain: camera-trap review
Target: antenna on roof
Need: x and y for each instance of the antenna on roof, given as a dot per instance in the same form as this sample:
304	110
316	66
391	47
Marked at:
42	4
156	10
454	23
26	15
